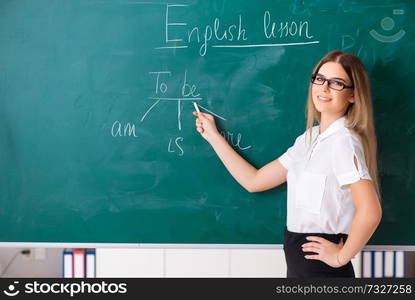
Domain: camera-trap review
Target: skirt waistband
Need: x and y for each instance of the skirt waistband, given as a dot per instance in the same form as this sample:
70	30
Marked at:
335	238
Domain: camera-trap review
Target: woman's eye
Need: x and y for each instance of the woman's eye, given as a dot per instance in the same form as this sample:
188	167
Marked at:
337	83
319	79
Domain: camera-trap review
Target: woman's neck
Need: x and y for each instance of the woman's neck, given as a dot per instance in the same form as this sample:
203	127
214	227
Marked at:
326	121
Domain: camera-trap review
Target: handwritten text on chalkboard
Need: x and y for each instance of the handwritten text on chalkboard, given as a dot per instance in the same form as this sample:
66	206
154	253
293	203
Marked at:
235	35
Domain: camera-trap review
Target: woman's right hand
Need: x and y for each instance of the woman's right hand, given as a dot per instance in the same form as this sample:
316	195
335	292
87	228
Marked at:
205	125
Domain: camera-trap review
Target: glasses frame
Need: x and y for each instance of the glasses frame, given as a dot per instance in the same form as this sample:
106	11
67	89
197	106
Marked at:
329	81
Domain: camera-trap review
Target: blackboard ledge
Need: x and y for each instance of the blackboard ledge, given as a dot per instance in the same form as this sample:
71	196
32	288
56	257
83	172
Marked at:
177	246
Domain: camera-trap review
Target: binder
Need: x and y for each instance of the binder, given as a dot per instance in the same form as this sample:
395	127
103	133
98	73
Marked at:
79	263
90	264
67	268
399	260
389	264
367	264
378	264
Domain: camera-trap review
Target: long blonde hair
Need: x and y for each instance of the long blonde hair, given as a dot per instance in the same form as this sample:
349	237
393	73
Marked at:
359	114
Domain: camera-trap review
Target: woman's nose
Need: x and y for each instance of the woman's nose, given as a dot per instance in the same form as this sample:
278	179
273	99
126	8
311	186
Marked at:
325	86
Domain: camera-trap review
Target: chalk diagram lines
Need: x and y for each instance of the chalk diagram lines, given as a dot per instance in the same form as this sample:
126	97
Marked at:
189	95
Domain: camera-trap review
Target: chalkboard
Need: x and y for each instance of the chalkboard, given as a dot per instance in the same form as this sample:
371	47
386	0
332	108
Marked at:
98	143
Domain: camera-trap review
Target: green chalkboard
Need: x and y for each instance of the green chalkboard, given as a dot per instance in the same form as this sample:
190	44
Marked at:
97	139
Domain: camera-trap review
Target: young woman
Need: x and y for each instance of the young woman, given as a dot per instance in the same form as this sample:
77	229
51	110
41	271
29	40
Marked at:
333	203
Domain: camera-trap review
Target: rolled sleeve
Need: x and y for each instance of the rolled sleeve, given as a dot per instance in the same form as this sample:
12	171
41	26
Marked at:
285	160
347	151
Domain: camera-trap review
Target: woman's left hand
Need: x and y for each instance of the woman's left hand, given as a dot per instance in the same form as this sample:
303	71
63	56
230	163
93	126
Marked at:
326	251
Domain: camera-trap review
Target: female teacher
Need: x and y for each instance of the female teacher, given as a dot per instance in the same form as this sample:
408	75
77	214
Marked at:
333	205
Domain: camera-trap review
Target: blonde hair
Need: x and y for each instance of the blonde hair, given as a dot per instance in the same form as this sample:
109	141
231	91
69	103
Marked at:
359	114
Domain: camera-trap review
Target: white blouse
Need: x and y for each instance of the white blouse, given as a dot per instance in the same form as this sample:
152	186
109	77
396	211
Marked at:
319	199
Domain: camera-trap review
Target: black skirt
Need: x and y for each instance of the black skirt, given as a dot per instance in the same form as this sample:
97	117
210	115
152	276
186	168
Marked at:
300	267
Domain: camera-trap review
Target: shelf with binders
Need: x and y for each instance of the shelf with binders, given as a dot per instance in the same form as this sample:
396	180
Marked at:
79	263
385	264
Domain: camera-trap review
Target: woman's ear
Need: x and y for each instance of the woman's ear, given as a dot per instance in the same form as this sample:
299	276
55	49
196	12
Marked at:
351	99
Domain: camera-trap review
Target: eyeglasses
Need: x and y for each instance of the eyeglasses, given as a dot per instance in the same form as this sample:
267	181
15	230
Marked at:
332	83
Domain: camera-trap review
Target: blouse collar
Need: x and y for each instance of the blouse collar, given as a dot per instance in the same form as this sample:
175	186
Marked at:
335	126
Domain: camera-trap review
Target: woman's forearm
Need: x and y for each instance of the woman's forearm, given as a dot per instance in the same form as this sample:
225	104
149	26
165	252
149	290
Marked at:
243	172
363	226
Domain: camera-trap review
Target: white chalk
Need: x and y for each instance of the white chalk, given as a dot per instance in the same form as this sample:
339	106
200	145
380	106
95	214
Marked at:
196	107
